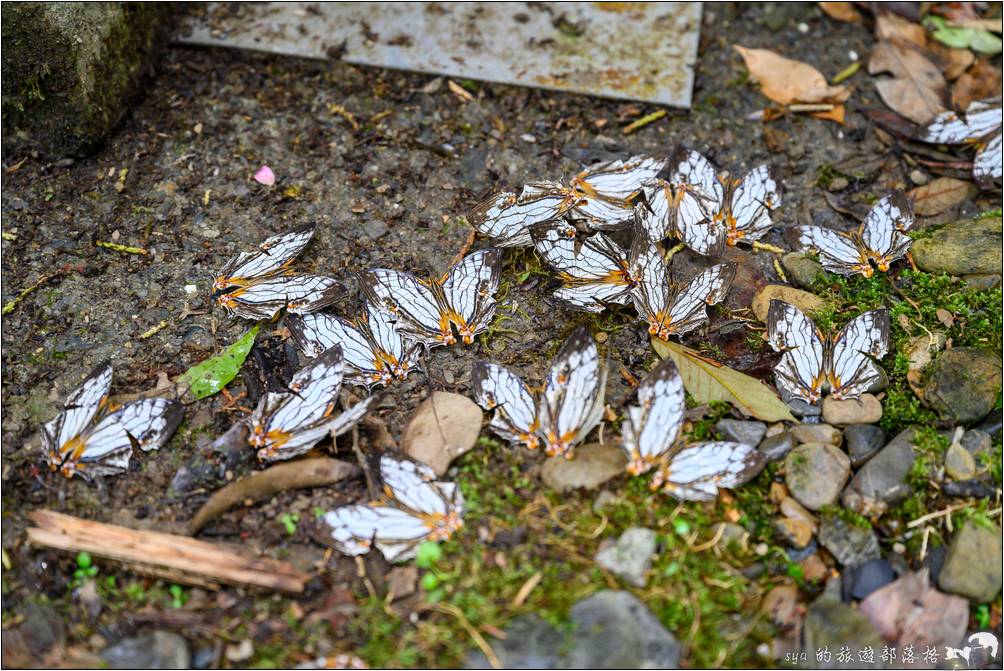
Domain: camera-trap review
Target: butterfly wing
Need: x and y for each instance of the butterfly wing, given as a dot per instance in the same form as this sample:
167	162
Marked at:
752	202
507	219
698	199
151	422
881	231
689	308
104	450
696	473
801	370
651	290
366	362
470	289
651	427
987	166
263	299
411	303
592	277
655	215
618	180
350	416
838	253
356	529
79	408
981	118
272	256
573	396
863	339
498	388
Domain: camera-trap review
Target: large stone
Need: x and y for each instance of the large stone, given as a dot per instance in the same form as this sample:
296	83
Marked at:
973	567
71	69
881	481
530	643
815	473
849	544
964	383
962	248
863	442
831	625
614	630
159	650
593	465
631	556
865	409
802	300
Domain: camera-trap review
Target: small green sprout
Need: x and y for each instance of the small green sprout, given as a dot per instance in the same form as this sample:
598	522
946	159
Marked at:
428	554
288	521
177	593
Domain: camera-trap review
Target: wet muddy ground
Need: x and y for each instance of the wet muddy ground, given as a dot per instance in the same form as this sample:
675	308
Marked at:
387	188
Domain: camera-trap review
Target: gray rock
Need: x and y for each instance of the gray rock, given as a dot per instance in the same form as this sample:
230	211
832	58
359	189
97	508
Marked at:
976	488
976	441
869	576
530	643
982	282
881	481
992	424
777	446
862	442
959	463
631	556
614	630
749	433
972	567
42	628
801	408
593	465
831	625
611	630
159	650
849	544
815	473
817	433
70	71
801	270
964	383
961	248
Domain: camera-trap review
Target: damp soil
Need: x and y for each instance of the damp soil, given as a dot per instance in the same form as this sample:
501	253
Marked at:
387	188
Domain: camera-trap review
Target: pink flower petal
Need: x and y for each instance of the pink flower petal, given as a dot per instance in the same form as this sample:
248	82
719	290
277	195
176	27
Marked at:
265	176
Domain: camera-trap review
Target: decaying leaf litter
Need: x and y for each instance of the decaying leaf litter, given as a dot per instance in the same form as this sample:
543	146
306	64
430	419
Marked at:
395	209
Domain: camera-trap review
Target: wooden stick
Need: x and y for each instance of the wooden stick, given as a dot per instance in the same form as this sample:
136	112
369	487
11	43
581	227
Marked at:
177	558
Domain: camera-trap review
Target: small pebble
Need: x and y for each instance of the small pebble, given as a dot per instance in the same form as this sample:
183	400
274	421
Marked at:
815	474
814	569
918	177
761	549
976	442
863	442
793	509
959	463
795	532
777	447
749	433
863	410
838	184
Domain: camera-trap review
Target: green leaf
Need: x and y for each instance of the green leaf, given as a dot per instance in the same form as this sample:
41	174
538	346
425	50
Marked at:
428	554
206	378
958	38
985	42
709	381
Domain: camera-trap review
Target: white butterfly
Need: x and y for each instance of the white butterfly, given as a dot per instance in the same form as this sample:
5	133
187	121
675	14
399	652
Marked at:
415	508
980	125
670	310
571	405
457	306
94	437
287	424
601	196
257	285
648	437
813	363
880	239
373	350
593	276
712	210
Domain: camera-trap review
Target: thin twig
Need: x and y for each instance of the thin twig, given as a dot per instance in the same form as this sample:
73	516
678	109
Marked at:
766	247
466	247
9	307
479	640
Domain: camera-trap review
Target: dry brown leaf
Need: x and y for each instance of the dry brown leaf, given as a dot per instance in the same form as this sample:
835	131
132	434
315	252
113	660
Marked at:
836	114
911	612
953	62
787	81
945	317
917	88
940	195
444	427
459	91
896	29
841	11
981	81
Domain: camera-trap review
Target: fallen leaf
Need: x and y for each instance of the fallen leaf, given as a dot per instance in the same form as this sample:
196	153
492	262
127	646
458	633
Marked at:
708	381
444	427
917	88
841	11
459	91
787	81
909	611
940	195
893	28
953	62
980	81
208	377
265	176
803	300
945	317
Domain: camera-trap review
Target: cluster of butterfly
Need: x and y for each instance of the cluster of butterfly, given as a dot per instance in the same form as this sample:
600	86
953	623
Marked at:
980	126
401	315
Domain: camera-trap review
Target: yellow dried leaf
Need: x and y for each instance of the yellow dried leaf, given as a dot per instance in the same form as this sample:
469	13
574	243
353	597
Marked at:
787	81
